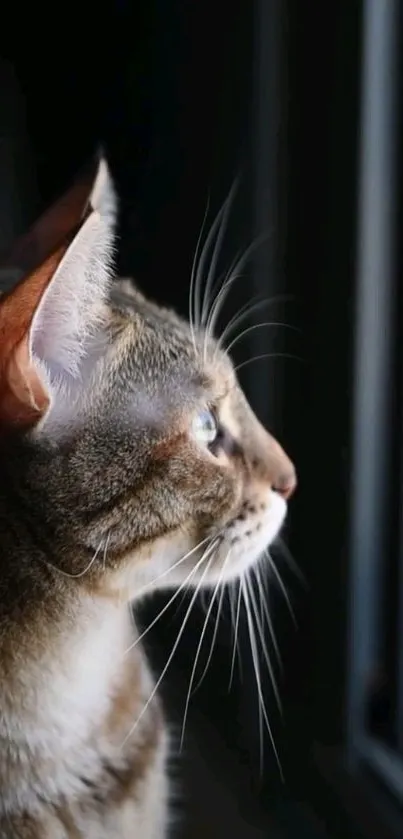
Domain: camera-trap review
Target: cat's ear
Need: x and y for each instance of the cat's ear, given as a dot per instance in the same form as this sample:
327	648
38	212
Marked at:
103	196
49	320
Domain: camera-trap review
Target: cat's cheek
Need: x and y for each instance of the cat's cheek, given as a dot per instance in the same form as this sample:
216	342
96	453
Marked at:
219	502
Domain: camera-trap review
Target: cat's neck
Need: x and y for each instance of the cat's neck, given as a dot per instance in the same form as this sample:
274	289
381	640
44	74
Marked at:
70	696
63	649
74	683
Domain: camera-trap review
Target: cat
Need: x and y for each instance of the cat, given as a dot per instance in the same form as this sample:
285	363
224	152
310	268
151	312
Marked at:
130	461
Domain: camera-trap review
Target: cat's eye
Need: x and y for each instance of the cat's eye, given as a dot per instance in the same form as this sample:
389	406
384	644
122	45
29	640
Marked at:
205	427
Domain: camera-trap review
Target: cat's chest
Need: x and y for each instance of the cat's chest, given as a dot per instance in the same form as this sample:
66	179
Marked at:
80	676
76	709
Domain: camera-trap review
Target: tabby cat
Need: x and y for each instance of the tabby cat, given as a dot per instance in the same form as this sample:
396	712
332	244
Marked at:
130	460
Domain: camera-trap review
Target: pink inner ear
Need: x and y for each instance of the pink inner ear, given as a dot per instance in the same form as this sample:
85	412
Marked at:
23	396
28	398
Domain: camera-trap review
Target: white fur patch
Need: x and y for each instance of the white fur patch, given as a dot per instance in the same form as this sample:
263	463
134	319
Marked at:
53	725
61	698
254	534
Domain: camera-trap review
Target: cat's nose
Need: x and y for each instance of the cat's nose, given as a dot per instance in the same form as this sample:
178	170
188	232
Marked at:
286	482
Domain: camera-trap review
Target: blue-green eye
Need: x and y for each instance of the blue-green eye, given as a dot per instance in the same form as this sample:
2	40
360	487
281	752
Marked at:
205	427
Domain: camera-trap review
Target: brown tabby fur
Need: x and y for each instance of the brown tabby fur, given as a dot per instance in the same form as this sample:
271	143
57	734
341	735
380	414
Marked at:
85	507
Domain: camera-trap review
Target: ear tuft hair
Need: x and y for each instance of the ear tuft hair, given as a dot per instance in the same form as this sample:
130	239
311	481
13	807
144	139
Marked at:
103	196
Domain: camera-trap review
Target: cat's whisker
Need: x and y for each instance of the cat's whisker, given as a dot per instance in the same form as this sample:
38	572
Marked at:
255	659
202	262
270	355
292	564
254	326
185	593
256	667
106	550
232	587
219	587
80	573
176	594
204	601
183	598
222	227
217	305
263	595
231	603
238	264
242	257
181	602
282	587
175	646
202	634
234	272
219	298
269	665
236	649
247	309
192	292
266	614
151	584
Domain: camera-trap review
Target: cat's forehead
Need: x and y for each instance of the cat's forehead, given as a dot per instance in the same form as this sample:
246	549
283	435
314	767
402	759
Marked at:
158	347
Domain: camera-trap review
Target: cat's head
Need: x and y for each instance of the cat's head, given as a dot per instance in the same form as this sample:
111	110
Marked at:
125	432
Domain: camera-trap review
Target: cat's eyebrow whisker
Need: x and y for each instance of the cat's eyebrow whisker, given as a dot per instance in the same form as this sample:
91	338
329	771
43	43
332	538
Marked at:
202	634
218	230
247	309
175	646
192	300
260	326
255	659
238	264
270	355
204	254
212	318
236	649
176	594
234	272
242	257
216	307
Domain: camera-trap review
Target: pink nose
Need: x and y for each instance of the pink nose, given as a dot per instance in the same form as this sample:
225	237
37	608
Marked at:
286	483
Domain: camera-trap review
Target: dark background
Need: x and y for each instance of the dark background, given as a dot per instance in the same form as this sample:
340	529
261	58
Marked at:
184	96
